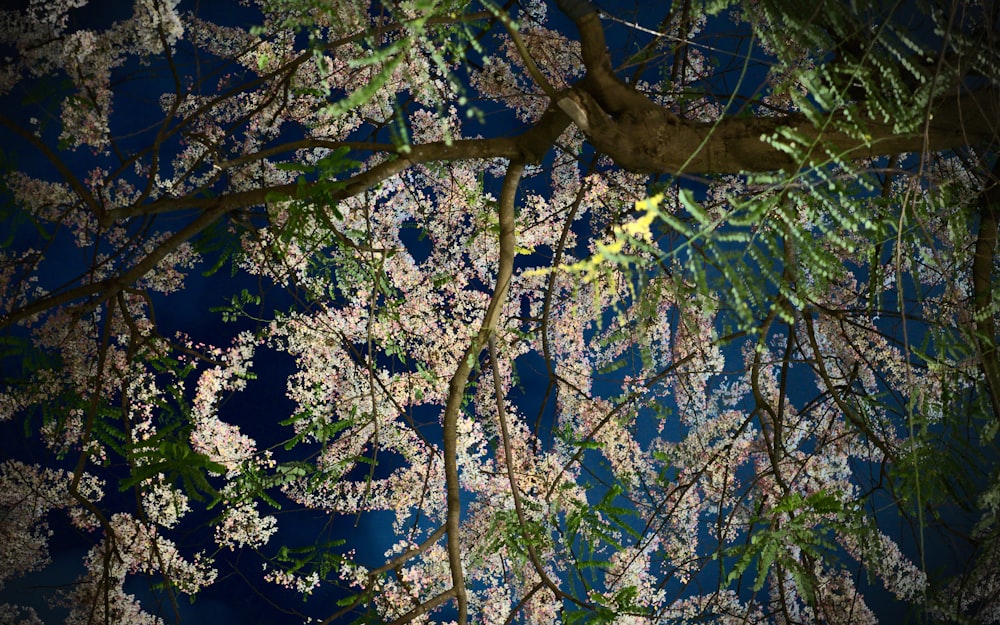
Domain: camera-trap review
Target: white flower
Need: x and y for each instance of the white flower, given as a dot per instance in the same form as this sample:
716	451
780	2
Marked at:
165	505
244	526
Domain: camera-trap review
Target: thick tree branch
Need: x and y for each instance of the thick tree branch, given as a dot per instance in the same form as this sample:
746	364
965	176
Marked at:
105	289
81	191
982	287
456	387
641	136
425	607
656	141
611	93
530	147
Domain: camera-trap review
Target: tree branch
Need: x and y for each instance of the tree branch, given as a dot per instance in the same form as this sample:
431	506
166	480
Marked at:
456	387
982	287
655	141
530	147
643	137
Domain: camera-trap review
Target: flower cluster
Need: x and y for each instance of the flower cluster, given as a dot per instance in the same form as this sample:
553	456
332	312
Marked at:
28	493
130	546
301	584
164	505
242	525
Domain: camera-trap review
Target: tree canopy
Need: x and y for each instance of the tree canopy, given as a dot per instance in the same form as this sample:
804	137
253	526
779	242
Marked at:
592	314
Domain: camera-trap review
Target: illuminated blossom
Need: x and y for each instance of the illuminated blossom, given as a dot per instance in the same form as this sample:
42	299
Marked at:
242	526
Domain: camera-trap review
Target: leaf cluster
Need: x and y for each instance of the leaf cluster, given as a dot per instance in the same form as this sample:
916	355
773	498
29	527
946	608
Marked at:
794	534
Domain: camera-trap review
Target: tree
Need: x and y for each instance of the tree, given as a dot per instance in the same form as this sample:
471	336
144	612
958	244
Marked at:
753	248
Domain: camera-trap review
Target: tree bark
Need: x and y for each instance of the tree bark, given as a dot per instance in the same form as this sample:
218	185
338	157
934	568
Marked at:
656	141
643	137
982	287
